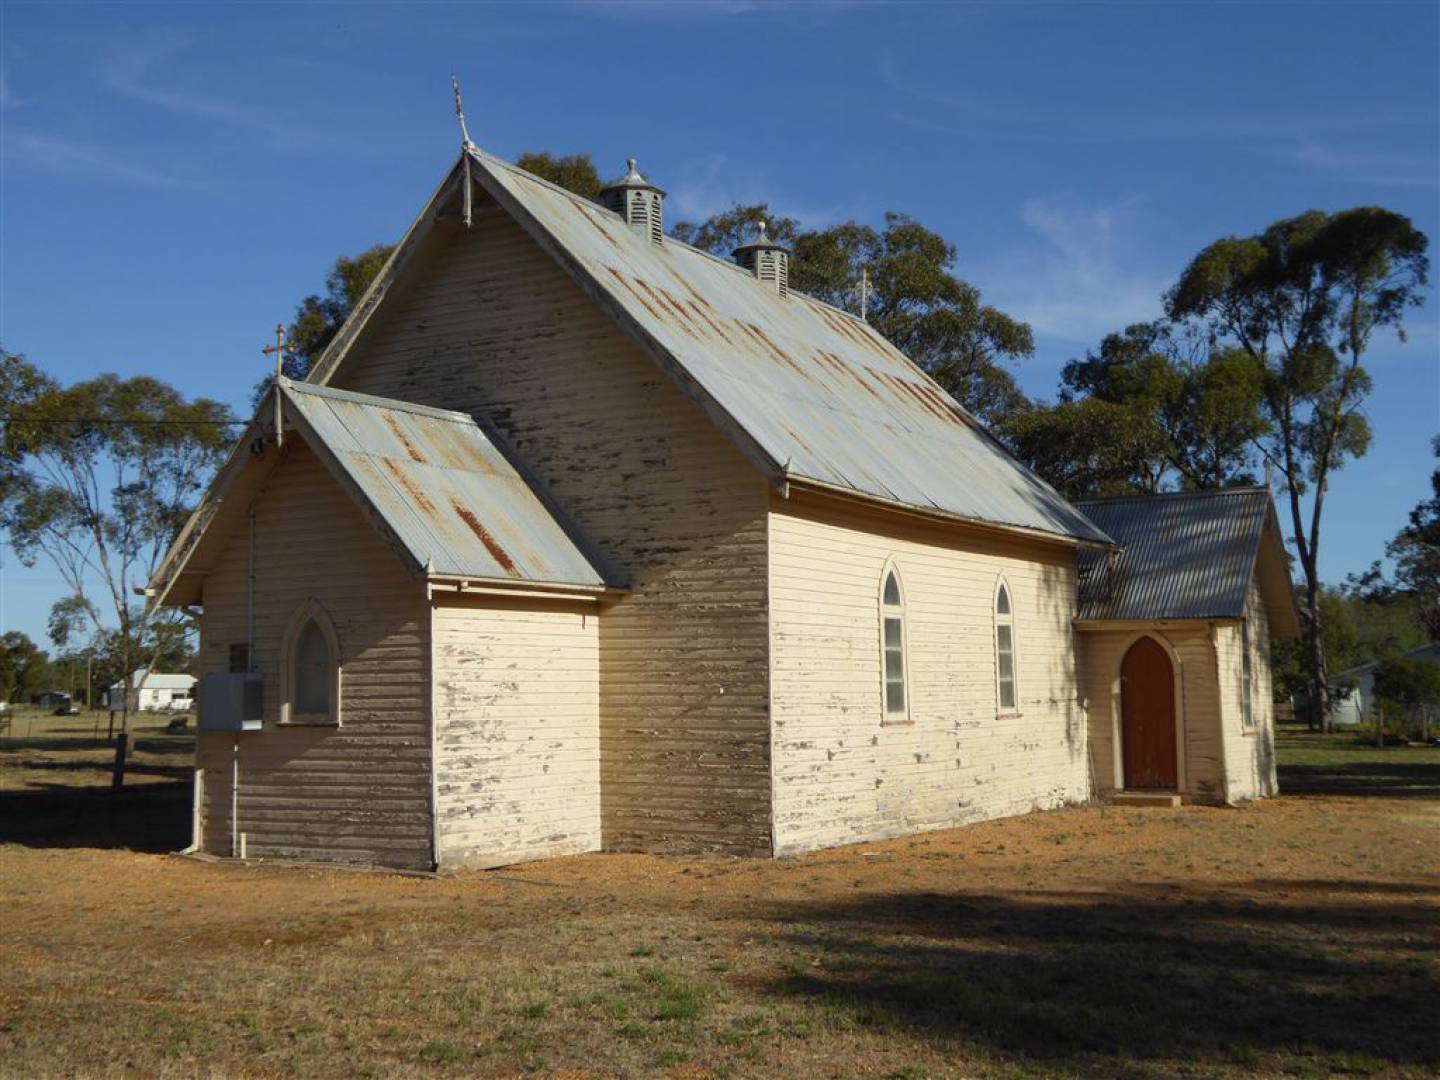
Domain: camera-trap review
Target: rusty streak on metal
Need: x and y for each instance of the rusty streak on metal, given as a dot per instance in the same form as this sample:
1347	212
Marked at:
410	449
626	285
421	499
874	427
496	551
599	226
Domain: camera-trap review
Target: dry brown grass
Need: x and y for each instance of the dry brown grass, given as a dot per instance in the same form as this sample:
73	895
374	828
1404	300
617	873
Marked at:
1294	937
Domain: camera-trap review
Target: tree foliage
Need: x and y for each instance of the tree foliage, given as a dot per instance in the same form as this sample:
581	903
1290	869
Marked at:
1302	300
1416	551
108	471
24	667
1407	683
1146	411
319	317
573	172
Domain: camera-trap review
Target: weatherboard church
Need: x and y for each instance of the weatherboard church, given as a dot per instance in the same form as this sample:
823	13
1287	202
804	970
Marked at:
578	539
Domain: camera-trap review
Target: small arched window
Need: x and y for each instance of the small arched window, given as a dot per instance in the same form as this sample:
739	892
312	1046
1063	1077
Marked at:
1006	692
892	644
310	669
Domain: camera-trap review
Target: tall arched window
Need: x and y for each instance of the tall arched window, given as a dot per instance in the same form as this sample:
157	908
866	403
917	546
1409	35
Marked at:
1247	676
892	644
310	668
1006	692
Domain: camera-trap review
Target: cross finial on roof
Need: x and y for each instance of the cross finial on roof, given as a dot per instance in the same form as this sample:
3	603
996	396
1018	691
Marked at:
278	351
460	113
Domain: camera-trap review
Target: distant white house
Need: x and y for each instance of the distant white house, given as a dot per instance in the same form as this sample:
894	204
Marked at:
157	690
1360	702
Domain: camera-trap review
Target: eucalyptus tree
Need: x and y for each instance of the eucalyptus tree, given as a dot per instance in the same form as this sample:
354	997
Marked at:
1416	551
1302	300
319	317
1148	410
108	470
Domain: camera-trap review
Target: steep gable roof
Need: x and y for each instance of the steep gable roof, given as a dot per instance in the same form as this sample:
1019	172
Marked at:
1187	555
430	480
812	394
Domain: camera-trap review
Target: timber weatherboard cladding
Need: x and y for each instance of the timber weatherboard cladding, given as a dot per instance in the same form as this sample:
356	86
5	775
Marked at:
359	792
841	772
1197	704
1223	760
517	729
1249	752
496	328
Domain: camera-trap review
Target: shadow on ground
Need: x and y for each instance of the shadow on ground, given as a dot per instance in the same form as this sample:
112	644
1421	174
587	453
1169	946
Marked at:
39	809
1134	985
1390	780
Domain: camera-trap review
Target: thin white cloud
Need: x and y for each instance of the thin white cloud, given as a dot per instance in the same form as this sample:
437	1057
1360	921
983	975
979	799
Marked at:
49	153
712	185
1401	170
1069	281
130	71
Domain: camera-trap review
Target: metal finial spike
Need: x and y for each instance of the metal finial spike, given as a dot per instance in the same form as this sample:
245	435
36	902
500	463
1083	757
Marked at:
763	227
460	113
630	164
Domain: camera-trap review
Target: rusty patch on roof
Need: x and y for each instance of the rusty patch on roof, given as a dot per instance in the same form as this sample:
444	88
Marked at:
870	422
626	285
398	475
483	534
599	225
447	462
713	324
399	433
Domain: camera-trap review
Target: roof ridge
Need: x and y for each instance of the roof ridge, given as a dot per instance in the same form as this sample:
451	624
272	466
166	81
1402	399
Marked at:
455	416
590	204
1176	495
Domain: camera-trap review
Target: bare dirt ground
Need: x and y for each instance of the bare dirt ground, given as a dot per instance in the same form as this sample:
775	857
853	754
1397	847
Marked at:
1294	937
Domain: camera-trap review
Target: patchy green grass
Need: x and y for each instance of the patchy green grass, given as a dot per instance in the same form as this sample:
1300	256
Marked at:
1348	763
1296	937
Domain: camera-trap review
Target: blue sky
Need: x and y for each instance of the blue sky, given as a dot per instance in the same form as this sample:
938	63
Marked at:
174	178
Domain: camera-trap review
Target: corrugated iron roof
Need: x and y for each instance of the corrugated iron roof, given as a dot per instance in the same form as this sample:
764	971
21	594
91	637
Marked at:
820	394
1184	555
448	495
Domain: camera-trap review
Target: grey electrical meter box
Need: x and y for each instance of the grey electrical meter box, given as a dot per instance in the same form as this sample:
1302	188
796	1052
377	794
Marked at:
231	701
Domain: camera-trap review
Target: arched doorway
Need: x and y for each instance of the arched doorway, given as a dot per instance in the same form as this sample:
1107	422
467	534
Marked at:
1147	717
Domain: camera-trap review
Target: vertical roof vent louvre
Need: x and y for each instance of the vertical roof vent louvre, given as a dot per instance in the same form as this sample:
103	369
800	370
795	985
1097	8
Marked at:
767	260
638	201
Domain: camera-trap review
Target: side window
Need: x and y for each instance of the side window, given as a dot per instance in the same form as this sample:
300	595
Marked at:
1006	692
1247	676
310	668
892	644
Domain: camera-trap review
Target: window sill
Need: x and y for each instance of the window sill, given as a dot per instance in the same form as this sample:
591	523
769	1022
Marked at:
302	721
897	721
1010	714
1250	732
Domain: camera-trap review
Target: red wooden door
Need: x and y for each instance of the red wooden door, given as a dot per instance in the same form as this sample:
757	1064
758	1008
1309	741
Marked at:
1147	716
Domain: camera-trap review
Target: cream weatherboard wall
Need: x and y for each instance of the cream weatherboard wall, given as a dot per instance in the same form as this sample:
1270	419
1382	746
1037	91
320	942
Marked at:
1221	759
842	770
1197	703
491	325
359	792
517	729
1249	749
